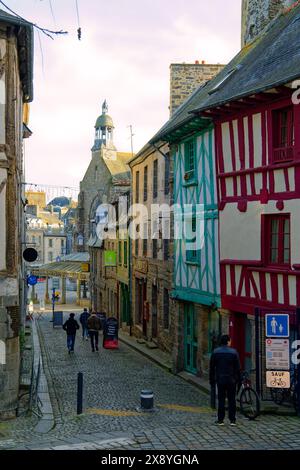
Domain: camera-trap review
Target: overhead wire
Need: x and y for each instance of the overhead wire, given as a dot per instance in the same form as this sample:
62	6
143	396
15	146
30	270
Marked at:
46	31
78	20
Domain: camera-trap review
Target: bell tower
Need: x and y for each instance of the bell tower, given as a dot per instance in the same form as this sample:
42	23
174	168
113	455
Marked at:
257	14
104	128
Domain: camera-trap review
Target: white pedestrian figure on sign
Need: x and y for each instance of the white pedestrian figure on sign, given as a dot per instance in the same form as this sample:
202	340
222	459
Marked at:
280	328
274	325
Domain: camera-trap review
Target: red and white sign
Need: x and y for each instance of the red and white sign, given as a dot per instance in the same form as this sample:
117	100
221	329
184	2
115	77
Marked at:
277	354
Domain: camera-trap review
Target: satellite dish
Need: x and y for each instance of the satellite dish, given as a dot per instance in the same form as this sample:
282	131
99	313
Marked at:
30	255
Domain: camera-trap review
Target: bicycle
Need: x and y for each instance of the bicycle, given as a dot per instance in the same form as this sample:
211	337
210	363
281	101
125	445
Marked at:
286	395
248	398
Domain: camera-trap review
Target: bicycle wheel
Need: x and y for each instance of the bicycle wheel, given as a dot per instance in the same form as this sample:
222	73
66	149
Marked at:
278	395
249	403
295	400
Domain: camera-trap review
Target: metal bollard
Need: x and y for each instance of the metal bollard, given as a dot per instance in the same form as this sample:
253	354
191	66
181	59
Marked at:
147	400
79	392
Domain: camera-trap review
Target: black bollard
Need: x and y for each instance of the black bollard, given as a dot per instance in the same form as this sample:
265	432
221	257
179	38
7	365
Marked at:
147	400
79	392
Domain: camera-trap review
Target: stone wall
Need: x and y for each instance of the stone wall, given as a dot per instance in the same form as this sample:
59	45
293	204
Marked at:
12	221
185	78
257	14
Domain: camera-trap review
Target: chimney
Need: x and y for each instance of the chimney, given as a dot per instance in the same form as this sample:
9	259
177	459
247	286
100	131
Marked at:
185	78
257	14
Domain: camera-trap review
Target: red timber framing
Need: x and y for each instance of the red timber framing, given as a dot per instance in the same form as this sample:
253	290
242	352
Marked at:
246	284
246	146
248	169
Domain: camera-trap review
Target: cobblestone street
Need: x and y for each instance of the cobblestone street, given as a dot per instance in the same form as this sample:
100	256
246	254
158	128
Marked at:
113	381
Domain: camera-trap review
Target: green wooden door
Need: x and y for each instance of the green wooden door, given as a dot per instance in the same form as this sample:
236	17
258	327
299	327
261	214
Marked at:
125	303
190	339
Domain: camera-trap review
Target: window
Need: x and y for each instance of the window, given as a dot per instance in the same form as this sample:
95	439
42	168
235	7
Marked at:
278	247
283	135
33	238
145	183
137	247
125	253
223	80
50	256
189	159
154	248
145	239
167	174
145	246
137	187
50	243
120	253
166	249
166	309
155	175
192	254
62	243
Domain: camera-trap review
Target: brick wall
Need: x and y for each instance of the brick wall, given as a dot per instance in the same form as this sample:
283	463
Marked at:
185	78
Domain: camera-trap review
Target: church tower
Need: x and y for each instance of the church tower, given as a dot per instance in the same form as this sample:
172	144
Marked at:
257	14
104	129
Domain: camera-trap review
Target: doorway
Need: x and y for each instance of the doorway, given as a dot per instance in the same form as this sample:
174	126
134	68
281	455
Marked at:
190	338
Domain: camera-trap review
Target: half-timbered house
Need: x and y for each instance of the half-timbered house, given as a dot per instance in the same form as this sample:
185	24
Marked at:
252	109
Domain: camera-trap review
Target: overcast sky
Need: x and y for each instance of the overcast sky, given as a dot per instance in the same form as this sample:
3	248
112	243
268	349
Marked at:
123	56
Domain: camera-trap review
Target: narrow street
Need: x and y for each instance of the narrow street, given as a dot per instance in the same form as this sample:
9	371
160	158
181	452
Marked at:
113	381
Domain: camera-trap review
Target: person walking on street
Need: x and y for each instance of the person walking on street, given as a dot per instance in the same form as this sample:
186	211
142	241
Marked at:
71	326
83	320
225	371
94	326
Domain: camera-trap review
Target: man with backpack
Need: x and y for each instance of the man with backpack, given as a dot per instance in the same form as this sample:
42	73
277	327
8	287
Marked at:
94	326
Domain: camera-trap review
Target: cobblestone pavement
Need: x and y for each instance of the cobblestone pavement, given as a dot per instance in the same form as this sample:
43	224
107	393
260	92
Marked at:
113	381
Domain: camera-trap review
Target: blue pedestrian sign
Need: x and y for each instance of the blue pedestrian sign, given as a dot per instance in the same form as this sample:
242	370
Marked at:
31	280
277	325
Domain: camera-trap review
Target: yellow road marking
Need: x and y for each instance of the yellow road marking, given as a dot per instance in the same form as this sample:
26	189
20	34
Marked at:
187	409
95	411
120	413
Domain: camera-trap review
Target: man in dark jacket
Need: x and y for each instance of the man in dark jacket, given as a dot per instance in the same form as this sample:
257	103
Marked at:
83	320
71	326
225	371
94	326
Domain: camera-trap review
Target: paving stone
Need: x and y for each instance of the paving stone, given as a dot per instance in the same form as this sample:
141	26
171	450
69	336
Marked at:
113	381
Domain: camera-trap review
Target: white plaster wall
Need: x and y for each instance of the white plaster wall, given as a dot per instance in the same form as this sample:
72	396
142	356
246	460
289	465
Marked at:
240	233
2	222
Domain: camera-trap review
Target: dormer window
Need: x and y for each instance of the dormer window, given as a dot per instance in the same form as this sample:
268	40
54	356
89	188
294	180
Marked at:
223	80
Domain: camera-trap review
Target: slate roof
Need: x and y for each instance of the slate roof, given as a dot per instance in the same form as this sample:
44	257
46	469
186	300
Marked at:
273	59
119	168
25	45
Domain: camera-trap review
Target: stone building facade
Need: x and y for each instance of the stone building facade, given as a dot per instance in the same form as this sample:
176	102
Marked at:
16	66
107	177
152	262
186	78
257	14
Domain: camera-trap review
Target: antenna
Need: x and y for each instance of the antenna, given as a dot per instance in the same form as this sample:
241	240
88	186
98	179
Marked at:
131	138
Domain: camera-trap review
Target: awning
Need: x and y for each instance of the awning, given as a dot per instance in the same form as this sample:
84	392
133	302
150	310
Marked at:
71	269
